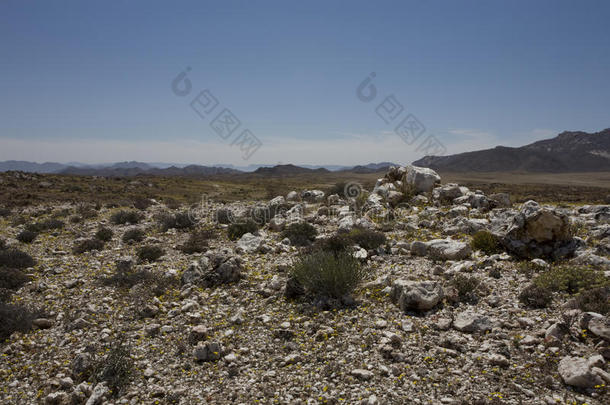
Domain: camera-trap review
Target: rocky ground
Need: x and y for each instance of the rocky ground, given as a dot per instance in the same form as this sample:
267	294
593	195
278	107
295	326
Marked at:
435	321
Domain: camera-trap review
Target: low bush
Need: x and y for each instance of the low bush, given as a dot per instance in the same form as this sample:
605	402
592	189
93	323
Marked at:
12	279
15	318
133	235
115	368
16	259
76	219
224	216
142	203
47	225
4	212
2	244
535	296
171	203
366	238
26	236
300	234
104	234
150	253
594	300
88	245
486	242
571	278
181	220
125	217
466	287
198	241
127	278
237	230
327	274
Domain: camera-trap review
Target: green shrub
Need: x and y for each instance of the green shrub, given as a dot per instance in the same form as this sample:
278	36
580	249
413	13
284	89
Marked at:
300	234
115	368
133	235
125	217
535	296
571	279
237	230
181	220
594	300
486	242
198	241
327	274
104	234
15	318
26	236
88	245
16	259
150	253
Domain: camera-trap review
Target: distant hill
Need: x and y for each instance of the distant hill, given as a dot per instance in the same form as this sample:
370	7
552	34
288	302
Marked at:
22	166
287	170
128	171
372	167
567	152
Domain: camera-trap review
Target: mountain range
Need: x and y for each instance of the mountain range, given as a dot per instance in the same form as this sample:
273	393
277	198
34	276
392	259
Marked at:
567	152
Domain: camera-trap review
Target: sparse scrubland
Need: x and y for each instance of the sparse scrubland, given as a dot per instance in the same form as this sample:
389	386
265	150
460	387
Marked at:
228	291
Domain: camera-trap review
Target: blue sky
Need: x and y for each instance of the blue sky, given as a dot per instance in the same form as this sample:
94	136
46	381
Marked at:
91	81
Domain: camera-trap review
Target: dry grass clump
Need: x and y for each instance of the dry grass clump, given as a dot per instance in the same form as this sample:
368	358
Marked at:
26	236
15	318
115	368
198	241
180	221
104	234
88	245
150	253
123	217
237	230
535	296
15	258
133	235
47	225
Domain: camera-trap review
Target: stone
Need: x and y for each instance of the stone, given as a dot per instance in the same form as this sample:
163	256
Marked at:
471	322
292	196
537	232
42	323
600	326
207	351
418	248
575	371
198	333
98	394
362	374
277	223
422	179
448	249
419	296
249	243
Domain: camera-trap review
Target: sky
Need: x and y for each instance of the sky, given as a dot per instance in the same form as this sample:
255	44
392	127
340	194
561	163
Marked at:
284	81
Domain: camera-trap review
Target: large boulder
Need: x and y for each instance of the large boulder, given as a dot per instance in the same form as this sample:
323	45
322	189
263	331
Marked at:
536	231
422	179
312	196
577	372
417	296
